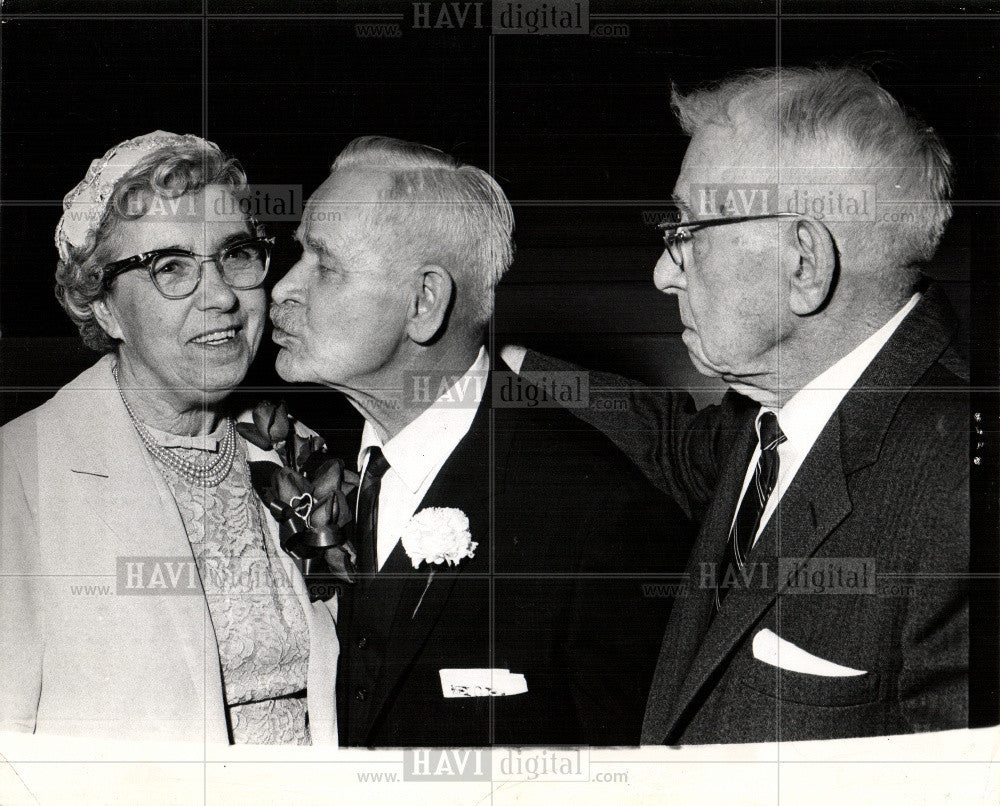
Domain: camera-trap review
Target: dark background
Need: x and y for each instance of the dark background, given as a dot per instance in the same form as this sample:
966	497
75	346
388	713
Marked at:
577	129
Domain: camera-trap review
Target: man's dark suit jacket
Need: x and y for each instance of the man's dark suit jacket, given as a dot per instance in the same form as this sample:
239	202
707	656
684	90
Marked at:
569	532
887	483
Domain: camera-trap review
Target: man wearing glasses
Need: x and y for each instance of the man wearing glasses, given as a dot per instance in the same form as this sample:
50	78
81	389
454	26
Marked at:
831	483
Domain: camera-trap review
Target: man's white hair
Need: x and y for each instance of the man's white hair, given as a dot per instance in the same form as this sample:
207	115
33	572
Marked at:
846	111
447	213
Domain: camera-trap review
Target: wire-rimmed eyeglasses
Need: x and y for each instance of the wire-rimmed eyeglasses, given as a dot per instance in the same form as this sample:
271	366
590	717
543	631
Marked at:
676	234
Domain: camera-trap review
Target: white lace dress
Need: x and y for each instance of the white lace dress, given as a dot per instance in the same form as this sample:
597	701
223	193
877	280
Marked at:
259	624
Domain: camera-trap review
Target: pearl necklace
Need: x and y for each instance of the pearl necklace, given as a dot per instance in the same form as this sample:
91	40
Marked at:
208	475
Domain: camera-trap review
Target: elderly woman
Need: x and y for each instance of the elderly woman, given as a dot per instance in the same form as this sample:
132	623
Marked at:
143	592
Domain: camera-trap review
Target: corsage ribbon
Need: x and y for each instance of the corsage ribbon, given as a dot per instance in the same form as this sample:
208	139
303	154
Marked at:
307	496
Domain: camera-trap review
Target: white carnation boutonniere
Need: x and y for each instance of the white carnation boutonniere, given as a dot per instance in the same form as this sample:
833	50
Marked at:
435	536
438	535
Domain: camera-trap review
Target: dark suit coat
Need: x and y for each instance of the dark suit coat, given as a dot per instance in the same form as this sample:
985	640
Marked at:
569	532
887	482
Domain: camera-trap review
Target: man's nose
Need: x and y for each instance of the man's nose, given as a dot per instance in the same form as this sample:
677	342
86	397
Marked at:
288	288
667	276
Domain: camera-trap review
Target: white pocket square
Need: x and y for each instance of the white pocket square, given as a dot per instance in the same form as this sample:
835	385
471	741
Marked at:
771	648
481	683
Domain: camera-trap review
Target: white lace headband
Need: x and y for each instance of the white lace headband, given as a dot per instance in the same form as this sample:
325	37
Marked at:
84	205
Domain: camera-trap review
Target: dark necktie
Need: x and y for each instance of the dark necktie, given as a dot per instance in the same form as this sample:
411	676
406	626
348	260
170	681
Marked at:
367	518
741	536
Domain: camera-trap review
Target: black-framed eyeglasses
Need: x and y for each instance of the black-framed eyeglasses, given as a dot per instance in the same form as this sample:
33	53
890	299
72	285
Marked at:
177	273
674	235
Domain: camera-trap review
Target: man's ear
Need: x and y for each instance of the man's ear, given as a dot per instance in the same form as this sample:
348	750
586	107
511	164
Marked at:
812	278
106	318
433	291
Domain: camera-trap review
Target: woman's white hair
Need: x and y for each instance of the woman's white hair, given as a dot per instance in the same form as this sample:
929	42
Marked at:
451	214
845	109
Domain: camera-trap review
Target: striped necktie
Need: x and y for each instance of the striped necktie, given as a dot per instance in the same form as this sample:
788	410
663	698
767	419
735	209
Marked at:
747	521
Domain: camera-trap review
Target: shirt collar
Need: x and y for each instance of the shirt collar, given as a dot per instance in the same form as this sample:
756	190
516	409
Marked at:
807	412
424	444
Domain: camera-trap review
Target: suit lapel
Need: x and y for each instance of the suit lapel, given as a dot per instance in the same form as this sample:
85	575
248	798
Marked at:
867	411
109	464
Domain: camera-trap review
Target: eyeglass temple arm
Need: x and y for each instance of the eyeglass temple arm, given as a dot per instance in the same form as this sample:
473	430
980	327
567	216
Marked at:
700	223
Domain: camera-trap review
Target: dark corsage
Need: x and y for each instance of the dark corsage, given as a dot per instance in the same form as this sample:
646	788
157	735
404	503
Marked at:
308	497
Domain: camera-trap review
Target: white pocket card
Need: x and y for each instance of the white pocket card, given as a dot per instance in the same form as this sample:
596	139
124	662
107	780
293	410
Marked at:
774	650
481	683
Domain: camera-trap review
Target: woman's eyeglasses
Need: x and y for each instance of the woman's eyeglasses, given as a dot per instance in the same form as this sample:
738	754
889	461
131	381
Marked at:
676	234
177	273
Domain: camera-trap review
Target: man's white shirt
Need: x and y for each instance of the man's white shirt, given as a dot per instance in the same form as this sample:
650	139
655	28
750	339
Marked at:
807	412
418	452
